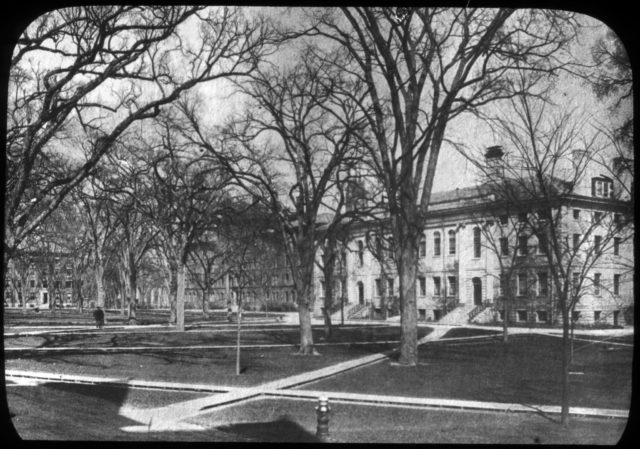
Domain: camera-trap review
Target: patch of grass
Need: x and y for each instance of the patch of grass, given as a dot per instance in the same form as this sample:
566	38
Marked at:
210	366
92	413
460	332
224	336
352	423
527	370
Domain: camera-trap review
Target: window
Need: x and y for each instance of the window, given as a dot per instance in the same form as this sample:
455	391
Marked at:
390	287
522	245
436	286
32	283
422	285
616	284
596	315
45	283
522	217
452	241
504	219
597	216
596	283
542	316
322	289
522	315
597	243
575	281
378	287
504	246
602	187
436	243
422	249
453	286
543	284
476	242
576	214
576	242
542	244
522	284
575	316
360	252
616	218
616	246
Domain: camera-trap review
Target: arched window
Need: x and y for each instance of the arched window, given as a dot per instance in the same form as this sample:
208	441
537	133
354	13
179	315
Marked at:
452	241
476	242
422	249
436	243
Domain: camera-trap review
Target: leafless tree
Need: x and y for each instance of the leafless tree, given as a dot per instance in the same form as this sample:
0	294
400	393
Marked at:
422	68
551	158
80	77
286	152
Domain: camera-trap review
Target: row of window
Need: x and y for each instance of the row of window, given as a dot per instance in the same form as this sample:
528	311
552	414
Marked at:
597	243
542	283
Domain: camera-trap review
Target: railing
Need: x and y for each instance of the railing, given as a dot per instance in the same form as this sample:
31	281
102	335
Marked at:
356	310
478	309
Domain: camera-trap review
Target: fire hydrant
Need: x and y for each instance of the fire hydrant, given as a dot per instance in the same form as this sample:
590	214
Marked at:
322	411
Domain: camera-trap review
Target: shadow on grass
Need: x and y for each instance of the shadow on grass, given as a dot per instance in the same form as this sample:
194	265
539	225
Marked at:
111	395
282	430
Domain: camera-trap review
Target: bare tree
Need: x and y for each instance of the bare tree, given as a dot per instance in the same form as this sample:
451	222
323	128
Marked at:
92	72
550	168
422	68
286	152
186	194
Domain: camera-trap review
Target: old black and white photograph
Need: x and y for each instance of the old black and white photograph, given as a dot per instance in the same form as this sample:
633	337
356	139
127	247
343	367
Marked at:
318	224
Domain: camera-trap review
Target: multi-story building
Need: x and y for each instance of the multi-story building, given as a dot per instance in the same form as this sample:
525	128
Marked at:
465	253
42	280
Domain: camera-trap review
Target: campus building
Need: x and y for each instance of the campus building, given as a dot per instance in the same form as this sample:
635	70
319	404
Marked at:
464	250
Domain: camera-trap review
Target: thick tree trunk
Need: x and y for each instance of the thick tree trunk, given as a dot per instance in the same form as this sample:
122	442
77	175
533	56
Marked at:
306	335
407	261
180	297
328	299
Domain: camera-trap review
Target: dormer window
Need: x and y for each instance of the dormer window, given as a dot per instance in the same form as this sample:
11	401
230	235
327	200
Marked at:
602	187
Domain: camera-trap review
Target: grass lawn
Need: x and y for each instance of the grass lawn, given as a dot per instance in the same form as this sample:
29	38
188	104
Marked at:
91	413
526	371
17	317
286	420
214	366
222	336
461	332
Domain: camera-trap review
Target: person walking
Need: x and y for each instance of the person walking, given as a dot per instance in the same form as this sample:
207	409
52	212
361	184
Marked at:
98	314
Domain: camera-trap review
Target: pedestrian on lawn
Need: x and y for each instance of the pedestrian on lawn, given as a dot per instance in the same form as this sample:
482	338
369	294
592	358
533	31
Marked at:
99	317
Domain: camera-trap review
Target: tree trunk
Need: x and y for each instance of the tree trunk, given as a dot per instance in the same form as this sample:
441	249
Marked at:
328	299
180	297
566	354
99	278
205	301
173	294
238	329
306	335
505	320
407	262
